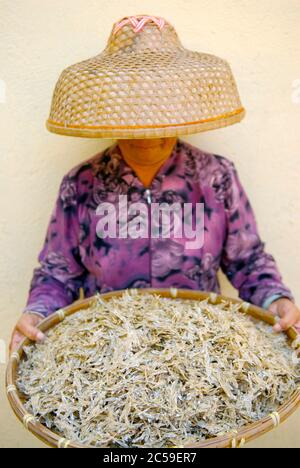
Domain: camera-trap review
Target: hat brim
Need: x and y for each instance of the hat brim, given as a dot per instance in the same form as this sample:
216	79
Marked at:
147	132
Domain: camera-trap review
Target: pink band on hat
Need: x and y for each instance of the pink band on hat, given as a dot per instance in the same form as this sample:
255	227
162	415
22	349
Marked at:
138	24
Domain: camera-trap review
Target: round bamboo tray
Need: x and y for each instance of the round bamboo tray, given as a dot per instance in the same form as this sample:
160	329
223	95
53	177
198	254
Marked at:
234	439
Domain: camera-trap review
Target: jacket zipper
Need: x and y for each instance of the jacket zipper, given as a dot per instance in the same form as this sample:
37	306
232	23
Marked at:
148	197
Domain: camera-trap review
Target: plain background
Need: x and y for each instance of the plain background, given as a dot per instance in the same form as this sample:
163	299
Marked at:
260	39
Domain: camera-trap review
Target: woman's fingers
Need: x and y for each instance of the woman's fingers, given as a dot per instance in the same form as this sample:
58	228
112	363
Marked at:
26	327
287	312
31	331
17	337
285	323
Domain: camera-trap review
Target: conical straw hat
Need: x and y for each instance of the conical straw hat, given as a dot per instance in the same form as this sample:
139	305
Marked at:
145	84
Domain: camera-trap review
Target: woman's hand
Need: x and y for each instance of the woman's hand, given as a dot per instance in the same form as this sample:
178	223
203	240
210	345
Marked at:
288	312
26	327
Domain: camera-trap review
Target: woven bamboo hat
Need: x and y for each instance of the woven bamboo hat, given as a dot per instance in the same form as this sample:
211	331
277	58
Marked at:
145	84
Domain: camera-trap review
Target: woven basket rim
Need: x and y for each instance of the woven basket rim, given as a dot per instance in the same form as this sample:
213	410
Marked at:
232	439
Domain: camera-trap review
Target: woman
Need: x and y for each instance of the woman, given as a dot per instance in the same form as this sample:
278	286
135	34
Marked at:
151	170
74	257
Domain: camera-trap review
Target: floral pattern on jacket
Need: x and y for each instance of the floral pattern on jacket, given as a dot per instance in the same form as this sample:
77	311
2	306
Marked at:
74	256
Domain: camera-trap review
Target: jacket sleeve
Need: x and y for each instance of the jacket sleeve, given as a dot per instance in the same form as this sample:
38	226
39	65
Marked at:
245	261
60	274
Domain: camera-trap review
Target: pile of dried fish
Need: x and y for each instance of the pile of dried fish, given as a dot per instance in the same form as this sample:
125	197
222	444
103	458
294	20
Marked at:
142	370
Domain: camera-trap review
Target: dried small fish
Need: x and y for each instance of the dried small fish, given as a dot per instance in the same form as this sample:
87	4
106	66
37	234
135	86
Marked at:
142	370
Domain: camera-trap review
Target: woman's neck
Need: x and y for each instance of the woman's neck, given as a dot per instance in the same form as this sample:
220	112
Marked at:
146	156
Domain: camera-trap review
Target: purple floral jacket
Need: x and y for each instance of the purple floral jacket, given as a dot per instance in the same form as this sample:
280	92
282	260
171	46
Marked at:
74	256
